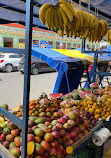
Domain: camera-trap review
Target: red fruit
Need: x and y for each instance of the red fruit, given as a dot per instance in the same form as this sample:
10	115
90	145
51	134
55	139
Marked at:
37	139
86	131
55	128
59	125
64	152
39	150
45	145
47	123
48	137
76	121
48	119
60	113
62	133
76	129
81	119
73	135
52	152
31	123
59	153
71	142
10	137
15	151
80	135
56	134
66	144
15	132
17	141
46	155
30	130
86	123
30	137
11	125
67	136
2	137
81	127
34	127
6	143
12	144
62	120
54	144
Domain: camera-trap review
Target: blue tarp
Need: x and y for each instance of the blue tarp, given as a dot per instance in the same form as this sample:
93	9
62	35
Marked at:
67	80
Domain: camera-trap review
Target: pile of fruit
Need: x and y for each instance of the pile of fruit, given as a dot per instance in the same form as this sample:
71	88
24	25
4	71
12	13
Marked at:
94	100
48	135
63	18
47	138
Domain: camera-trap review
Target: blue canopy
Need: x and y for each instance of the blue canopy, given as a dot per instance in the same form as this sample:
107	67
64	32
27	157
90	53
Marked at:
66	81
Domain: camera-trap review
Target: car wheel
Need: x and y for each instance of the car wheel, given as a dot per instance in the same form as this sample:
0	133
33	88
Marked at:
35	71
8	68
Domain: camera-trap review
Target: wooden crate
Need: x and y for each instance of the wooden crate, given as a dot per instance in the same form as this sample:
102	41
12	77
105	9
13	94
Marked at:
4	153
80	142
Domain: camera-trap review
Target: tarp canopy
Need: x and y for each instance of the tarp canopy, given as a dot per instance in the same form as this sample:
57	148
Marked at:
15	10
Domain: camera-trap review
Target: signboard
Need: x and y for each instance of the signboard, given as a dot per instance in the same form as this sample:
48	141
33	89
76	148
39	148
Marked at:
45	44
22	45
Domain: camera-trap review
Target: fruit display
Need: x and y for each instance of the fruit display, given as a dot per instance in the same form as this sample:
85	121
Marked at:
48	135
64	19
108	36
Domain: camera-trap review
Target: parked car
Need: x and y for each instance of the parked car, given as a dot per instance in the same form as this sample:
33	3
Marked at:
37	65
9	61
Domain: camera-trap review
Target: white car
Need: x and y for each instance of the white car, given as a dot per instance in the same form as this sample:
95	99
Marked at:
9	61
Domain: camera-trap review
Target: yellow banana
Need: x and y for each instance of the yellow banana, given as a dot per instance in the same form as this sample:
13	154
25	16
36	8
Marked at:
67	11
56	22
67	33
42	12
68	5
64	16
60	20
52	18
81	18
78	22
48	17
60	32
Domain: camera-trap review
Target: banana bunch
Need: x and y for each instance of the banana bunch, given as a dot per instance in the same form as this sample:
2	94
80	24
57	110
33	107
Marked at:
58	18
108	36
63	19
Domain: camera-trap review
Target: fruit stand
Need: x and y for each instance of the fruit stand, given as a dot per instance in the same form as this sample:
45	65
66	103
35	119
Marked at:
60	125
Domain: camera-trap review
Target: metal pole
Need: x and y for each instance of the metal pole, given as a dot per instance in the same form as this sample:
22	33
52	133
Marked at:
28	44
83	45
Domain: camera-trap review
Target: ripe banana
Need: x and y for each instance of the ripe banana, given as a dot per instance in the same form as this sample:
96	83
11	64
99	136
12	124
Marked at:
68	5
56	22
60	32
42	12
47	17
64	16
52	18
60	20
67	11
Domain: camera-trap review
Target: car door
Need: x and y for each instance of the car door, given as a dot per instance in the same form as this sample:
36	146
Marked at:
14	60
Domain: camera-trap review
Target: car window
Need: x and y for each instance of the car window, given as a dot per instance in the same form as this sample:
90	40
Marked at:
36	59
20	55
13	56
2	56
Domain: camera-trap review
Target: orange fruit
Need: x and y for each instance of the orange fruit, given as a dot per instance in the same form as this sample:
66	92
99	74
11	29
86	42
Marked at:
97	116
97	111
86	109
89	106
91	110
95	104
90	102
103	117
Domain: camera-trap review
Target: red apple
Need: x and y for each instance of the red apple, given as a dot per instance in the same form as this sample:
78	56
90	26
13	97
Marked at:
52	152
73	135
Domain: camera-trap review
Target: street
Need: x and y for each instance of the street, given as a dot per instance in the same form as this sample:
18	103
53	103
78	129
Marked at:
11	87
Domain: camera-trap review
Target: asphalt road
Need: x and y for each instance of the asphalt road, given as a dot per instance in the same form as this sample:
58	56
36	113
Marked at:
11	87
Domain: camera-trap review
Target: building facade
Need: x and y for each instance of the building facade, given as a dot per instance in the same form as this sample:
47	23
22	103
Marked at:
13	35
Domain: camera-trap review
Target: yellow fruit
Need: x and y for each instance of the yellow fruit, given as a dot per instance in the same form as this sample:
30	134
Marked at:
97	111
60	20
97	115
109	100
86	109
89	106
64	16
48	17
103	117
67	11
42	12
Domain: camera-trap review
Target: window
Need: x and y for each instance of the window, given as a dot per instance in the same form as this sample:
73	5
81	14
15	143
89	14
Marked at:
57	45
2	56
20	55
8	39
68	45
13	56
64	46
78	45
21	40
36	43
74	45
51	43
